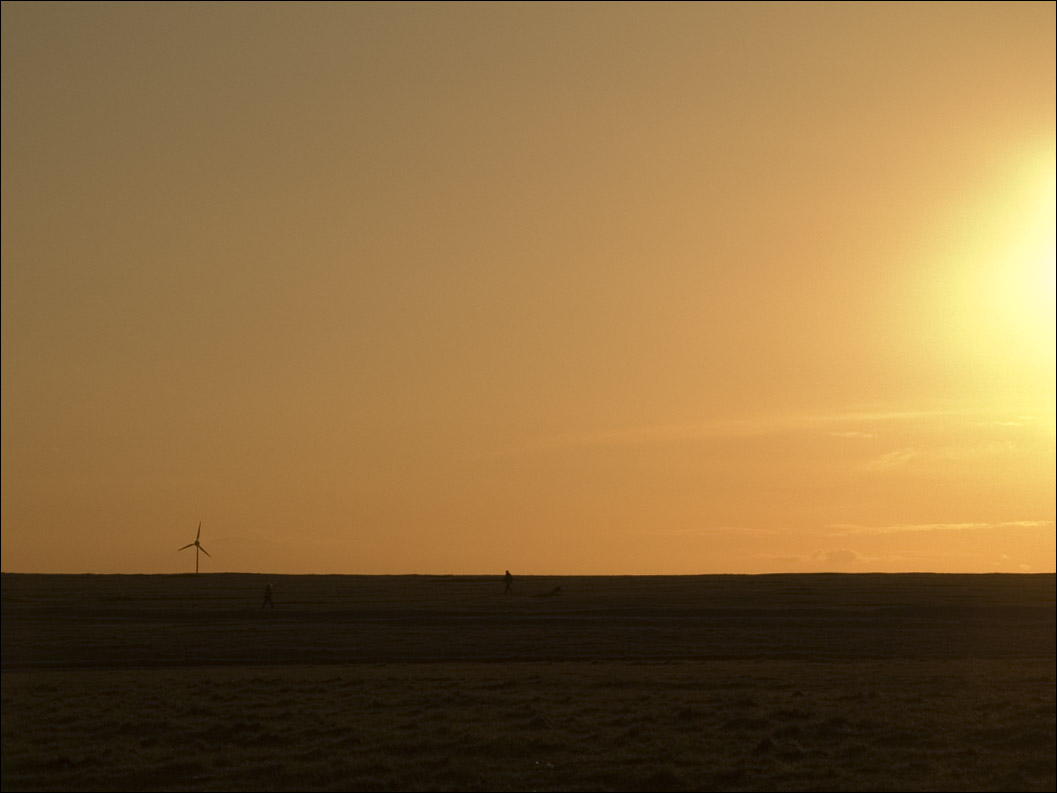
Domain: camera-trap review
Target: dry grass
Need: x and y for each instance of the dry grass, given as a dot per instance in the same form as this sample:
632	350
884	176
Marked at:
725	683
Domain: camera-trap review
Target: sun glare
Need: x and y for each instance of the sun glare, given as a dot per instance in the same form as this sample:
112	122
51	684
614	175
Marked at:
1029	291
1011	312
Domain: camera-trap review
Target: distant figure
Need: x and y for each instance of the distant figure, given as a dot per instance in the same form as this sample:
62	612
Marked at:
509	582
267	596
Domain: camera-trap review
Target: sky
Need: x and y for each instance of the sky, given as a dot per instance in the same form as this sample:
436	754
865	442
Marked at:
559	288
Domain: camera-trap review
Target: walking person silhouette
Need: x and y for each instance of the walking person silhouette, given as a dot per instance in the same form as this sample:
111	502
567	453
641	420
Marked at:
509	582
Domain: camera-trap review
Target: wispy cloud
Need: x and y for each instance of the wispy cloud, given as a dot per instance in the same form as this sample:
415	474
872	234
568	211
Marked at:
853	423
928	426
928	456
832	558
716	531
891	460
1023	420
840	557
841	529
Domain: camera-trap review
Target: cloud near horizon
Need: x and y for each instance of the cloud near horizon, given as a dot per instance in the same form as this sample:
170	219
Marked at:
851	528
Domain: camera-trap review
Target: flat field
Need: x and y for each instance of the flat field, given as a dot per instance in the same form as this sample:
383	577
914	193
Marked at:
780	682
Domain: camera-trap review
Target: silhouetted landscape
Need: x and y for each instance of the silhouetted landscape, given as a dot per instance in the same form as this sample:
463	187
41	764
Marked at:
802	682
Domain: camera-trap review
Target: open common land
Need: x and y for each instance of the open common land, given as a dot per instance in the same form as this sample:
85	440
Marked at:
778	682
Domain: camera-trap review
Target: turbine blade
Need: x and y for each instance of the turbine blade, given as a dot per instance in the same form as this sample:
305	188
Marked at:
203	550
199	530
185	547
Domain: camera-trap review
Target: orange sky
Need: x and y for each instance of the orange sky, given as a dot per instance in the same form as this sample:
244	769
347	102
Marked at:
560	288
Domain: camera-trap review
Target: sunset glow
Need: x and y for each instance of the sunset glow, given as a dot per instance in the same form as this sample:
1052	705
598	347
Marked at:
555	288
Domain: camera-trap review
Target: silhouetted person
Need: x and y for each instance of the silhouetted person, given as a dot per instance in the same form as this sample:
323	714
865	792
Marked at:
509	582
267	596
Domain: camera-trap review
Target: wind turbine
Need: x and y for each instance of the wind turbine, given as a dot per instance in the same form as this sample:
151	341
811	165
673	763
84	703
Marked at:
197	547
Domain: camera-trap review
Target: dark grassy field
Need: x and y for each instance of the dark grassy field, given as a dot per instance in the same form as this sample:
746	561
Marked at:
807	682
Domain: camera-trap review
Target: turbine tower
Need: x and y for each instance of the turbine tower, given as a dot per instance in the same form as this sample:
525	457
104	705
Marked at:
197	547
